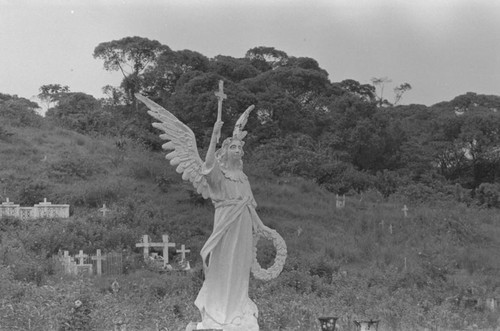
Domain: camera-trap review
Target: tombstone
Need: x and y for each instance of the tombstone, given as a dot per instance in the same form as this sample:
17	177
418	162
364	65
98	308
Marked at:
104	210
98	258
8	208
47	209
371	325
340	203
82	267
405	210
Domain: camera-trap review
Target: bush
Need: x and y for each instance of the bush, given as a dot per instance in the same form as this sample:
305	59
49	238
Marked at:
33	192
488	195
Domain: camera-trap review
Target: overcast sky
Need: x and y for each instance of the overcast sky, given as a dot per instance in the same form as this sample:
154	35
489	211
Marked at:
442	48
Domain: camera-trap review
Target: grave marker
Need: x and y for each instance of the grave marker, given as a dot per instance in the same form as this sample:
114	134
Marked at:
340	203
8	208
147	245
405	210
99	258
81	266
183	251
103	210
166	245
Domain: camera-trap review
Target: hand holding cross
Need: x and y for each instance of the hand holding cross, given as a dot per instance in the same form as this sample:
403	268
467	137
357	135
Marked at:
220	96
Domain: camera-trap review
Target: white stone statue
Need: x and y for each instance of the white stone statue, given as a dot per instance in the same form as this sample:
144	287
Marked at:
230	252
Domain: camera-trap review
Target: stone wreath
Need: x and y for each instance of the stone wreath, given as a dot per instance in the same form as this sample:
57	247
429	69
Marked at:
279	261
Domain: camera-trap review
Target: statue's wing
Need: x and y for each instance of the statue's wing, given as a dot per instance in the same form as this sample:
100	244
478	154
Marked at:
182	140
241	122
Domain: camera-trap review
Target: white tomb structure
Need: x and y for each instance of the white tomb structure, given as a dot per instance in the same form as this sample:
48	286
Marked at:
43	209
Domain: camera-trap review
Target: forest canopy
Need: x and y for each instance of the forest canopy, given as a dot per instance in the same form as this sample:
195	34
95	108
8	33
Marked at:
343	135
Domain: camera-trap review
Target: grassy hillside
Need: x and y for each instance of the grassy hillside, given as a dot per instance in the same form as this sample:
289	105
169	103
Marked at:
341	262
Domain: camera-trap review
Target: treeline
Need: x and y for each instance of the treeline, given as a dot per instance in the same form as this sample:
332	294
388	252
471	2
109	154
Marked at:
342	135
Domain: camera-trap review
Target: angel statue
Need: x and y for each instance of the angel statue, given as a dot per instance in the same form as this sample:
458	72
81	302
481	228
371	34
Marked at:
230	252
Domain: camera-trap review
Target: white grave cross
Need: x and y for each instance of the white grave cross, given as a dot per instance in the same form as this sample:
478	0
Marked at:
166	245
405	210
81	257
146	245
45	202
183	251
99	258
103	210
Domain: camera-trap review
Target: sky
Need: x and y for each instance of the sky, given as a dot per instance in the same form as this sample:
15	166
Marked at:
442	48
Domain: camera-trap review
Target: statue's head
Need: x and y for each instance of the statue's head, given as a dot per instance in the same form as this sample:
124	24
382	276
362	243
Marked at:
232	149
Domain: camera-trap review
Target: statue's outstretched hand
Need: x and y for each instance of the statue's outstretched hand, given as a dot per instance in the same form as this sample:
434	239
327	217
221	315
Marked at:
218	127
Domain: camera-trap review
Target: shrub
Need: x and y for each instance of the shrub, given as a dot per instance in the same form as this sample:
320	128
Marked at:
488	195
33	192
73	166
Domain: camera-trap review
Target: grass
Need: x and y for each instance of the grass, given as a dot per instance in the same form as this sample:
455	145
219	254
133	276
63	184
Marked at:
344	262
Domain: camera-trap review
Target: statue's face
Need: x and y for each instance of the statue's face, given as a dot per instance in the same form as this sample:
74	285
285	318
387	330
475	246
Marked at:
235	150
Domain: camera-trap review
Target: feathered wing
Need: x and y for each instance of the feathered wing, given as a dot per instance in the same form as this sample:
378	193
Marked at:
241	122
182	140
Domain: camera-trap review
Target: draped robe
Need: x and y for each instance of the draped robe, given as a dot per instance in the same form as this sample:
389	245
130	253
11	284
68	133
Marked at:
223	299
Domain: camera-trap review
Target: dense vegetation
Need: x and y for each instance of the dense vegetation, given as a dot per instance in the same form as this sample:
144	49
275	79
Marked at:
309	139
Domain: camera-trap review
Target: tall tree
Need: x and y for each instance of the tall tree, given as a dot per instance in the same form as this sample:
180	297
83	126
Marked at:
131	56
51	93
399	91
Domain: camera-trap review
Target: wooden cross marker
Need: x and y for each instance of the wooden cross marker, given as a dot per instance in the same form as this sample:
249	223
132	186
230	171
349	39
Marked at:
98	257
103	210
220	97
405	210
166	245
146	245
183	251
81	257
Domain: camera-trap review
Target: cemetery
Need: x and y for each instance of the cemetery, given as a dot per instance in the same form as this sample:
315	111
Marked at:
246	194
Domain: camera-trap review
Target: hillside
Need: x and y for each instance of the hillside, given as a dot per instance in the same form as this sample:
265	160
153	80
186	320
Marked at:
365	259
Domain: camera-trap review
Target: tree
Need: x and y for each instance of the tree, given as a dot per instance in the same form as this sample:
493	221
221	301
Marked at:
19	111
51	93
77	111
364	91
266	58
131	56
399	91
381	82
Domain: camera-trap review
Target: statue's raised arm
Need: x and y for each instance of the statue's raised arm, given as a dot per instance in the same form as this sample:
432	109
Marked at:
183	142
